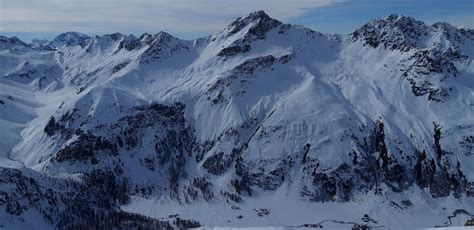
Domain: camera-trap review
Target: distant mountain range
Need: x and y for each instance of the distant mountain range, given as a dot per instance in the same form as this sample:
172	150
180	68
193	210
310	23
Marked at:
260	124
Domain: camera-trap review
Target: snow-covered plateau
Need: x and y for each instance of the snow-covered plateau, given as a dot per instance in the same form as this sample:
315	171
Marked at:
262	124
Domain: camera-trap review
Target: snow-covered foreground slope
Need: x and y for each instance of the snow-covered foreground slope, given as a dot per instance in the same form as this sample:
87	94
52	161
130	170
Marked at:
277	210
260	124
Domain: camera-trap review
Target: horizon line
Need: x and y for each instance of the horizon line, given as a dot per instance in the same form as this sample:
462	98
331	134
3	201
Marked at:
53	34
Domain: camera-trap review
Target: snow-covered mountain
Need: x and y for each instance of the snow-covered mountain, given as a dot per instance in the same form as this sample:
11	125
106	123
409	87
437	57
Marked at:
260	124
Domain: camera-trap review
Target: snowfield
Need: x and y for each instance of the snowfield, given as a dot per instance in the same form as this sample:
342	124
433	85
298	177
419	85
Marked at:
262	124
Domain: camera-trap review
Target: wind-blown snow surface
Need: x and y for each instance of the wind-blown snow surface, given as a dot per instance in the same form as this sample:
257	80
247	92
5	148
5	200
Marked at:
260	124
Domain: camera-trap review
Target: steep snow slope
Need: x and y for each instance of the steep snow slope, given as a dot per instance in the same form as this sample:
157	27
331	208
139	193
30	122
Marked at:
259	112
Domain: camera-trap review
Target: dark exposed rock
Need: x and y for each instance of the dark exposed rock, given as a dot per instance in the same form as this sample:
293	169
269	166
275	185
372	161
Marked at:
174	141
430	65
437	138
268	180
241	185
333	185
86	148
106	184
468	144
440	177
380	146
24	193
233	50
120	66
186	224
92	205
307	146
429	62
93	219
216	164
370	167
52	127
161	46
204	186
394	32
129	44
232	196
262	23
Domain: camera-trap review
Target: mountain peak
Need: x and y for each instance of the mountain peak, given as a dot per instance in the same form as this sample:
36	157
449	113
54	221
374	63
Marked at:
261	24
163	35
157	38
161	46
397	17
12	40
256	16
395	21
394	31
71	38
401	21
444	27
114	36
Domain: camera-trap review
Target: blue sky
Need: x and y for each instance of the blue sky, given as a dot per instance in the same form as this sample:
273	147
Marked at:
190	19
344	17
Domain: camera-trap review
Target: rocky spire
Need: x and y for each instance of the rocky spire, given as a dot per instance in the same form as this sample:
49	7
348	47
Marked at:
262	23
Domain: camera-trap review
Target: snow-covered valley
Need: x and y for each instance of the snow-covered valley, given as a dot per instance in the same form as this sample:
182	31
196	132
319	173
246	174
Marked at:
260	124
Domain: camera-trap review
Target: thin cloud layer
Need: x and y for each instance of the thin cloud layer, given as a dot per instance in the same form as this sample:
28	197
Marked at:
93	16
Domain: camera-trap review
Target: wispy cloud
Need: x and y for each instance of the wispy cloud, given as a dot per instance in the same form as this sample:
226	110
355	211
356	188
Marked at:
105	16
